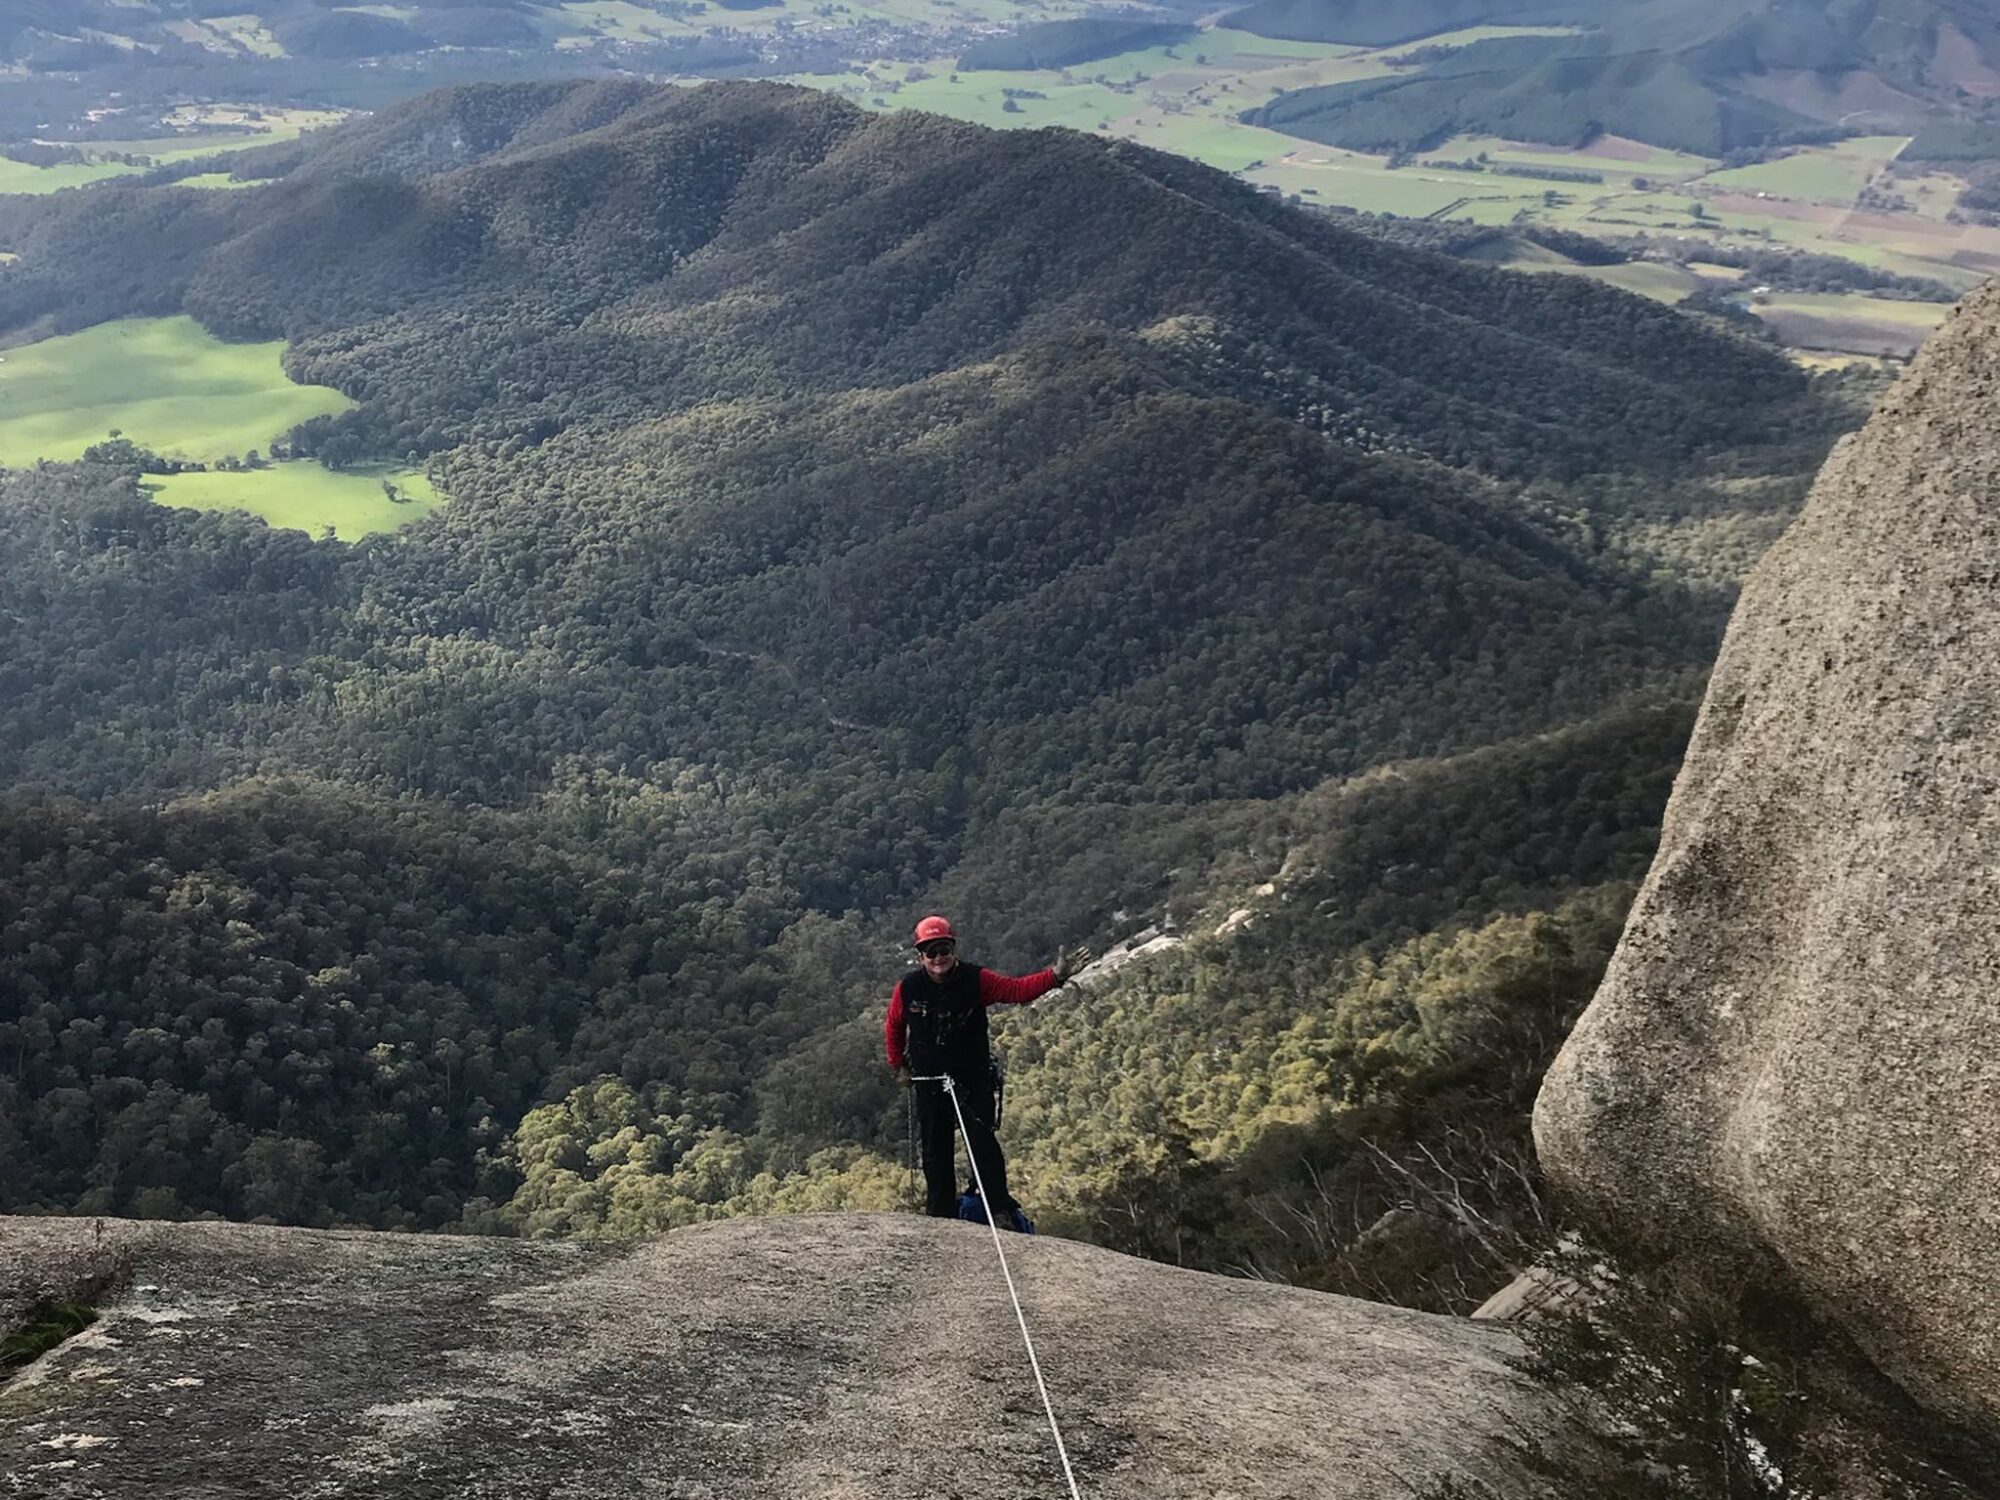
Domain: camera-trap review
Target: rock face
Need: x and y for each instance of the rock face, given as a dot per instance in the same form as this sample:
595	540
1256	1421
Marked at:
1795	1055
834	1357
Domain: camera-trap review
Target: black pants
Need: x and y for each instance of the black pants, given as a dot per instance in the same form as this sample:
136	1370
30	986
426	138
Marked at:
937	1127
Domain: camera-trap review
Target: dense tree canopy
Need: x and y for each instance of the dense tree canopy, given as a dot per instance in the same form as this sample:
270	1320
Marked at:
849	514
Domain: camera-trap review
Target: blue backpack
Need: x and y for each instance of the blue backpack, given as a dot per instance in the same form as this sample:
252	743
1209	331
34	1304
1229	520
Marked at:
972	1208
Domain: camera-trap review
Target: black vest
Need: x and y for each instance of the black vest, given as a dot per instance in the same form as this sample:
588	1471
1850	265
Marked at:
947	1022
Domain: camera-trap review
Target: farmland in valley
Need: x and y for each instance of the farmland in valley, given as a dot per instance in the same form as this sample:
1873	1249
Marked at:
170	387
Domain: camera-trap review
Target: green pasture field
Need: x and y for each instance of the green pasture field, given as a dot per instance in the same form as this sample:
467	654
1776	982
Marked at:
1254	89
1907	315
171	386
217	180
1210	59
226	34
278	125
1466	36
1521	255
1850	324
172	148
981	98
1660	281
166	383
1825	174
306	497
1656	165
618	21
249	33
1412	194
19	177
1220	143
1502	200
1932	194
937	12
1222	44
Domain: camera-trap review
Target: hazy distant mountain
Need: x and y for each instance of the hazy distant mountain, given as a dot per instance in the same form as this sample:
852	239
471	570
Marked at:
1695	75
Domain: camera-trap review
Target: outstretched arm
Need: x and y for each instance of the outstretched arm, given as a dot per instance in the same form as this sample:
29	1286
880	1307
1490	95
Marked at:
1000	989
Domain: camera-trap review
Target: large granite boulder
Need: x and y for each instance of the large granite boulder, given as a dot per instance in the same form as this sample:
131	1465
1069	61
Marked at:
823	1358
1794	1060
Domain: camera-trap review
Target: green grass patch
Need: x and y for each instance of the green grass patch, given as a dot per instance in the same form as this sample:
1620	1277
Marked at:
1470	34
1225	44
306	497
618	21
1503	207
1616	170
1879	310
177	147
1352	184
1219	143
1216	56
1520	255
47	1326
982	98
1818	174
19	177
166	383
171	386
1662	283
218	180
247	32
1850	324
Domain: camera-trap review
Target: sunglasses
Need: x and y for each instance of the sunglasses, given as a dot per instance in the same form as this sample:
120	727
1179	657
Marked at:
939	949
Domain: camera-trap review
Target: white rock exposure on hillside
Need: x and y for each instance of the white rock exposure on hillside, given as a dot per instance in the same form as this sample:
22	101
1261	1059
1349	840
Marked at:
834	1357
1796	1052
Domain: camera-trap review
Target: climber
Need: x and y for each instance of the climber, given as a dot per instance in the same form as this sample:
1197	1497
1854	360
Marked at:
937	1025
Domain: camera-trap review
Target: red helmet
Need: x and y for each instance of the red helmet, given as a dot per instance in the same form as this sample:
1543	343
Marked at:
931	929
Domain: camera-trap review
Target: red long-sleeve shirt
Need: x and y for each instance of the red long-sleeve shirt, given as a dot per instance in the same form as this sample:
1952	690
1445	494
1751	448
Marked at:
994	989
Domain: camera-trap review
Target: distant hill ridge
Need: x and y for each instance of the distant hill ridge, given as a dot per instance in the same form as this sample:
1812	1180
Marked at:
931	241
1692	75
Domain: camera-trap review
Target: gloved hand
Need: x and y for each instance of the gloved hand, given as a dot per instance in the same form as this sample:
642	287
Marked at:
1070	962
902	1072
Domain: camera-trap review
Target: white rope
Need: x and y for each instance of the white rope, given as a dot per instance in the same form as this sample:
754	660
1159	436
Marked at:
1000	1250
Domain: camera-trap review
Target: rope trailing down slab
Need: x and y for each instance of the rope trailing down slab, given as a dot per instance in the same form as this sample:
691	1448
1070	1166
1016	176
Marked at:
1034	1363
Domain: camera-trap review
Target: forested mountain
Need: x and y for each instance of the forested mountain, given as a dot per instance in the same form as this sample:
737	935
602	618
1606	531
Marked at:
849	513
684	246
1694	75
